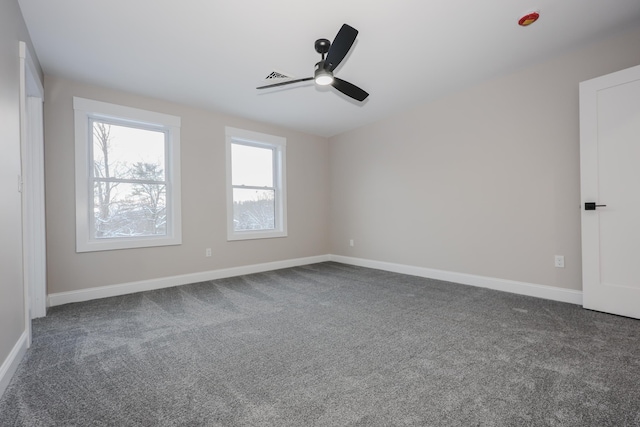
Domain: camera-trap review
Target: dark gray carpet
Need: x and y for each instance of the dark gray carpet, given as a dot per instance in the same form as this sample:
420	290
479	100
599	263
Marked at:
327	345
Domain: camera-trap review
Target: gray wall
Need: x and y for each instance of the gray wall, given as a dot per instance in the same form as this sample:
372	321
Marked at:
203	197
483	182
12	30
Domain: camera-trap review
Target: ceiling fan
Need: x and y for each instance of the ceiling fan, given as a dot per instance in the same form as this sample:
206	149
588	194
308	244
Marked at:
335	52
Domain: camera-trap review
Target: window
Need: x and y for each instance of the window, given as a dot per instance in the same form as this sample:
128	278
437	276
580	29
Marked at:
127	177
256	196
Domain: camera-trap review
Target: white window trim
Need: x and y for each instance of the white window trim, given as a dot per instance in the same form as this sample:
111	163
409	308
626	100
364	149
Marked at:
86	109
280	147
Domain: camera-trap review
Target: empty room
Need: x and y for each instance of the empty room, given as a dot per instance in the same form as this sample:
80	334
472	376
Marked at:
281	213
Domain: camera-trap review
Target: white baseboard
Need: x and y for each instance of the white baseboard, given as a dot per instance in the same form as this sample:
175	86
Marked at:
12	361
60	298
522	288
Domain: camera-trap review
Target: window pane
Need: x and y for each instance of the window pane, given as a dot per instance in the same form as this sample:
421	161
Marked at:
127	210
251	166
128	153
253	209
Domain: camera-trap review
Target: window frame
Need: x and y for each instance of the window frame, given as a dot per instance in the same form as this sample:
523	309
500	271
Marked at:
87	110
279	146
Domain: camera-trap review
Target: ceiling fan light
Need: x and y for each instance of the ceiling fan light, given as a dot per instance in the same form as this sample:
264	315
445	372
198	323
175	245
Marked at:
323	78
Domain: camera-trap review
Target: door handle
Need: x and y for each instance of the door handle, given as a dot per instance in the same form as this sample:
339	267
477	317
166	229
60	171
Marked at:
591	206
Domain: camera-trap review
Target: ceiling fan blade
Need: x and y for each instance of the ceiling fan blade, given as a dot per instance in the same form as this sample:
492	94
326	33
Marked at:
340	47
349	89
285	83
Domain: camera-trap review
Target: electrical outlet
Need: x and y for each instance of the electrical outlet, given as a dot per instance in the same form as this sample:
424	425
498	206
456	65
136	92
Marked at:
351	243
207	252
559	261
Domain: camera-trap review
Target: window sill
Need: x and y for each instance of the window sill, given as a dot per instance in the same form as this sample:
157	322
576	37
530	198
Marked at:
115	244
253	235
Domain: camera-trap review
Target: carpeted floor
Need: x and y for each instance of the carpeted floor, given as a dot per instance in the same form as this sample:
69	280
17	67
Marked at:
327	345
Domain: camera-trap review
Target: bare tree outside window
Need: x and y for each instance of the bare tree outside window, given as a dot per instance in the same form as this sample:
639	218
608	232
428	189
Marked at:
254	210
129	181
101	169
253	187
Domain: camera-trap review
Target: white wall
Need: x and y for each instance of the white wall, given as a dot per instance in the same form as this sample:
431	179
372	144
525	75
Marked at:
482	182
12	314
203	198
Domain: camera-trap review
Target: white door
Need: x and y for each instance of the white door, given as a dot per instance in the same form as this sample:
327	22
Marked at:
610	175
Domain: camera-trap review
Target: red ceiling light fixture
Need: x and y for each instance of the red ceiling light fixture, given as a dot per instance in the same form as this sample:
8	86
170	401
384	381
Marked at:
529	19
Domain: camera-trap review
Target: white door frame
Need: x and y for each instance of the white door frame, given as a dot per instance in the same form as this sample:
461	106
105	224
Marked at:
32	187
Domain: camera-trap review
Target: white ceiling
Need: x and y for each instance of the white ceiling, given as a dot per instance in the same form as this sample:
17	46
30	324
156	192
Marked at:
213	53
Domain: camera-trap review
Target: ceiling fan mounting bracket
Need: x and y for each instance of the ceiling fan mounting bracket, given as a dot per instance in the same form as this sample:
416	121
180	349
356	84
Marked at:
322	46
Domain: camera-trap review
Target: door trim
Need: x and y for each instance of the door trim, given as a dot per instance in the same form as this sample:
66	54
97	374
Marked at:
32	188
